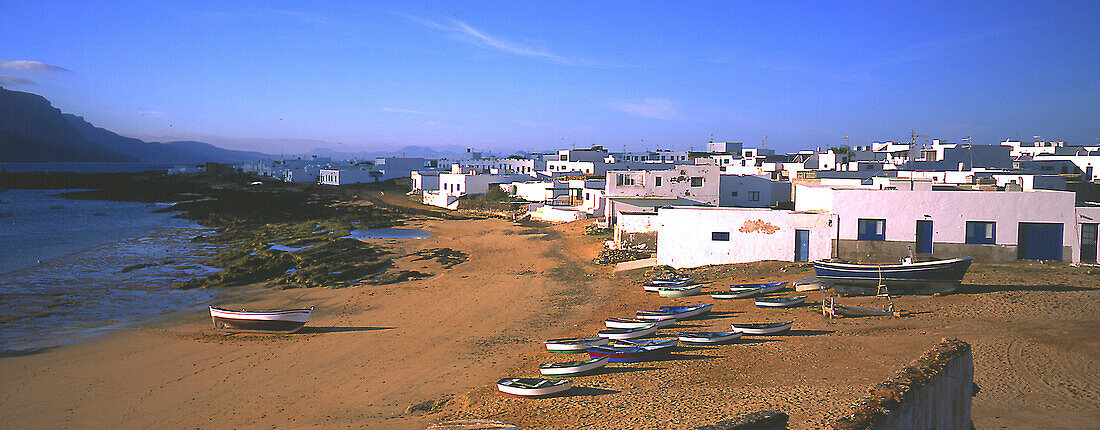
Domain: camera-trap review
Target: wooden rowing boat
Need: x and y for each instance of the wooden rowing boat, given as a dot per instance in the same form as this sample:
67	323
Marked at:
780	302
710	337
572	368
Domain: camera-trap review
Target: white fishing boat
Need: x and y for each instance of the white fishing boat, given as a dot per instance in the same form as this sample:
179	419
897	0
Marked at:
533	387
628	333
572	368
574	345
763	328
636	323
273	321
710	337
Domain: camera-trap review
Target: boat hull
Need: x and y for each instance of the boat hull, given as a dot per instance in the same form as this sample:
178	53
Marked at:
750	330
930	277
282	321
773	303
709	338
636	323
574	345
531	389
686	312
578	368
630	354
628	333
680	291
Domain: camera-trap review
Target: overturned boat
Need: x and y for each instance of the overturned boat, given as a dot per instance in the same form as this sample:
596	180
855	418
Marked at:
632	354
927	277
269	321
637	323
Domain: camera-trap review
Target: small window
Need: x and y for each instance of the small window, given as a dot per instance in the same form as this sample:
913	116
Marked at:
981	232
720	236
872	229
696	182
657	181
754	196
734	194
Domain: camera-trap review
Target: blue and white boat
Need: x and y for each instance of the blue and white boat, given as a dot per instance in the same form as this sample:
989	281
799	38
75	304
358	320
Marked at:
741	291
685	312
780	302
927	277
657	283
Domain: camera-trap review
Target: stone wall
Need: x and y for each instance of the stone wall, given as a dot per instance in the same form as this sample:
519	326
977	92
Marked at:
933	393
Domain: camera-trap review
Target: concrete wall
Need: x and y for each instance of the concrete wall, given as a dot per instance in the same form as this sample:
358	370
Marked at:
556	215
441	200
684	235
948	210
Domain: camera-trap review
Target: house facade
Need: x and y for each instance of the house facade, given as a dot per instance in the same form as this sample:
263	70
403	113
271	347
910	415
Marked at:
990	226
699	236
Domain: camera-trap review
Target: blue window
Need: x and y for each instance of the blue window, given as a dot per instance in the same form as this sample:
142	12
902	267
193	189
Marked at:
981	232
720	236
872	229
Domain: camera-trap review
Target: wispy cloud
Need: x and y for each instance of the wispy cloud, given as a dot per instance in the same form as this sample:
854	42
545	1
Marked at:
408	111
15	80
36	66
653	108
468	34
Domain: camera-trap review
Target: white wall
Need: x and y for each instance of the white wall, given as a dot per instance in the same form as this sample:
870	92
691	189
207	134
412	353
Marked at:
684	235
675	182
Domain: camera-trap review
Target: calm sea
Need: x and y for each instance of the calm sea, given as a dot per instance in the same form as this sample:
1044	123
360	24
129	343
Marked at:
71	269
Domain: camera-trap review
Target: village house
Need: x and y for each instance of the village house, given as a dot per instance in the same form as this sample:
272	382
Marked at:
698	236
945	222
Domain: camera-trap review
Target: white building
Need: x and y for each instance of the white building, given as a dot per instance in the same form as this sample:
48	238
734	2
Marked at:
698	236
424	180
752	191
345	175
644	190
991	226
460	184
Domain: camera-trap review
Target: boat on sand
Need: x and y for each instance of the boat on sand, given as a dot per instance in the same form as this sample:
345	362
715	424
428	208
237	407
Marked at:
533	387
927	277
572	368
267	321
710	337
574	345
763	328
780	302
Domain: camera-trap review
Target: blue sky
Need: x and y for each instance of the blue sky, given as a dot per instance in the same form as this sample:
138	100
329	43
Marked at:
521	76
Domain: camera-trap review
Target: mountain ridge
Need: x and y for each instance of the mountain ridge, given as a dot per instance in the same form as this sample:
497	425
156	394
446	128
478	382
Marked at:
33	130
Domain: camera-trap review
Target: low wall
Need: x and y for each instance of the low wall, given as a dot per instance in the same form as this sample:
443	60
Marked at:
441	200
933	393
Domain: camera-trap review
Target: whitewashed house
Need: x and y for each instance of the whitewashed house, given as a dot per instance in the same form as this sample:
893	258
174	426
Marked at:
699	236
990	226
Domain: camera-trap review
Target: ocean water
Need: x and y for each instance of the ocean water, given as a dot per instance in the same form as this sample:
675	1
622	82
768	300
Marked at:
71	269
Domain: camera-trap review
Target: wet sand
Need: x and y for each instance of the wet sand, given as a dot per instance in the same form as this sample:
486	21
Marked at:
404	355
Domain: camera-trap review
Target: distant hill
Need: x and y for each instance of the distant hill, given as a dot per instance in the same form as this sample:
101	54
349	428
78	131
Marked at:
32	130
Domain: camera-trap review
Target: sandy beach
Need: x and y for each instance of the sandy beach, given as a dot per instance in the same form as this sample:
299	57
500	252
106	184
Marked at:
408	354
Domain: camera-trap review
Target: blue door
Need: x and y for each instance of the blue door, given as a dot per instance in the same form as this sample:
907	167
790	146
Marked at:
924	237
1040	241
801	245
